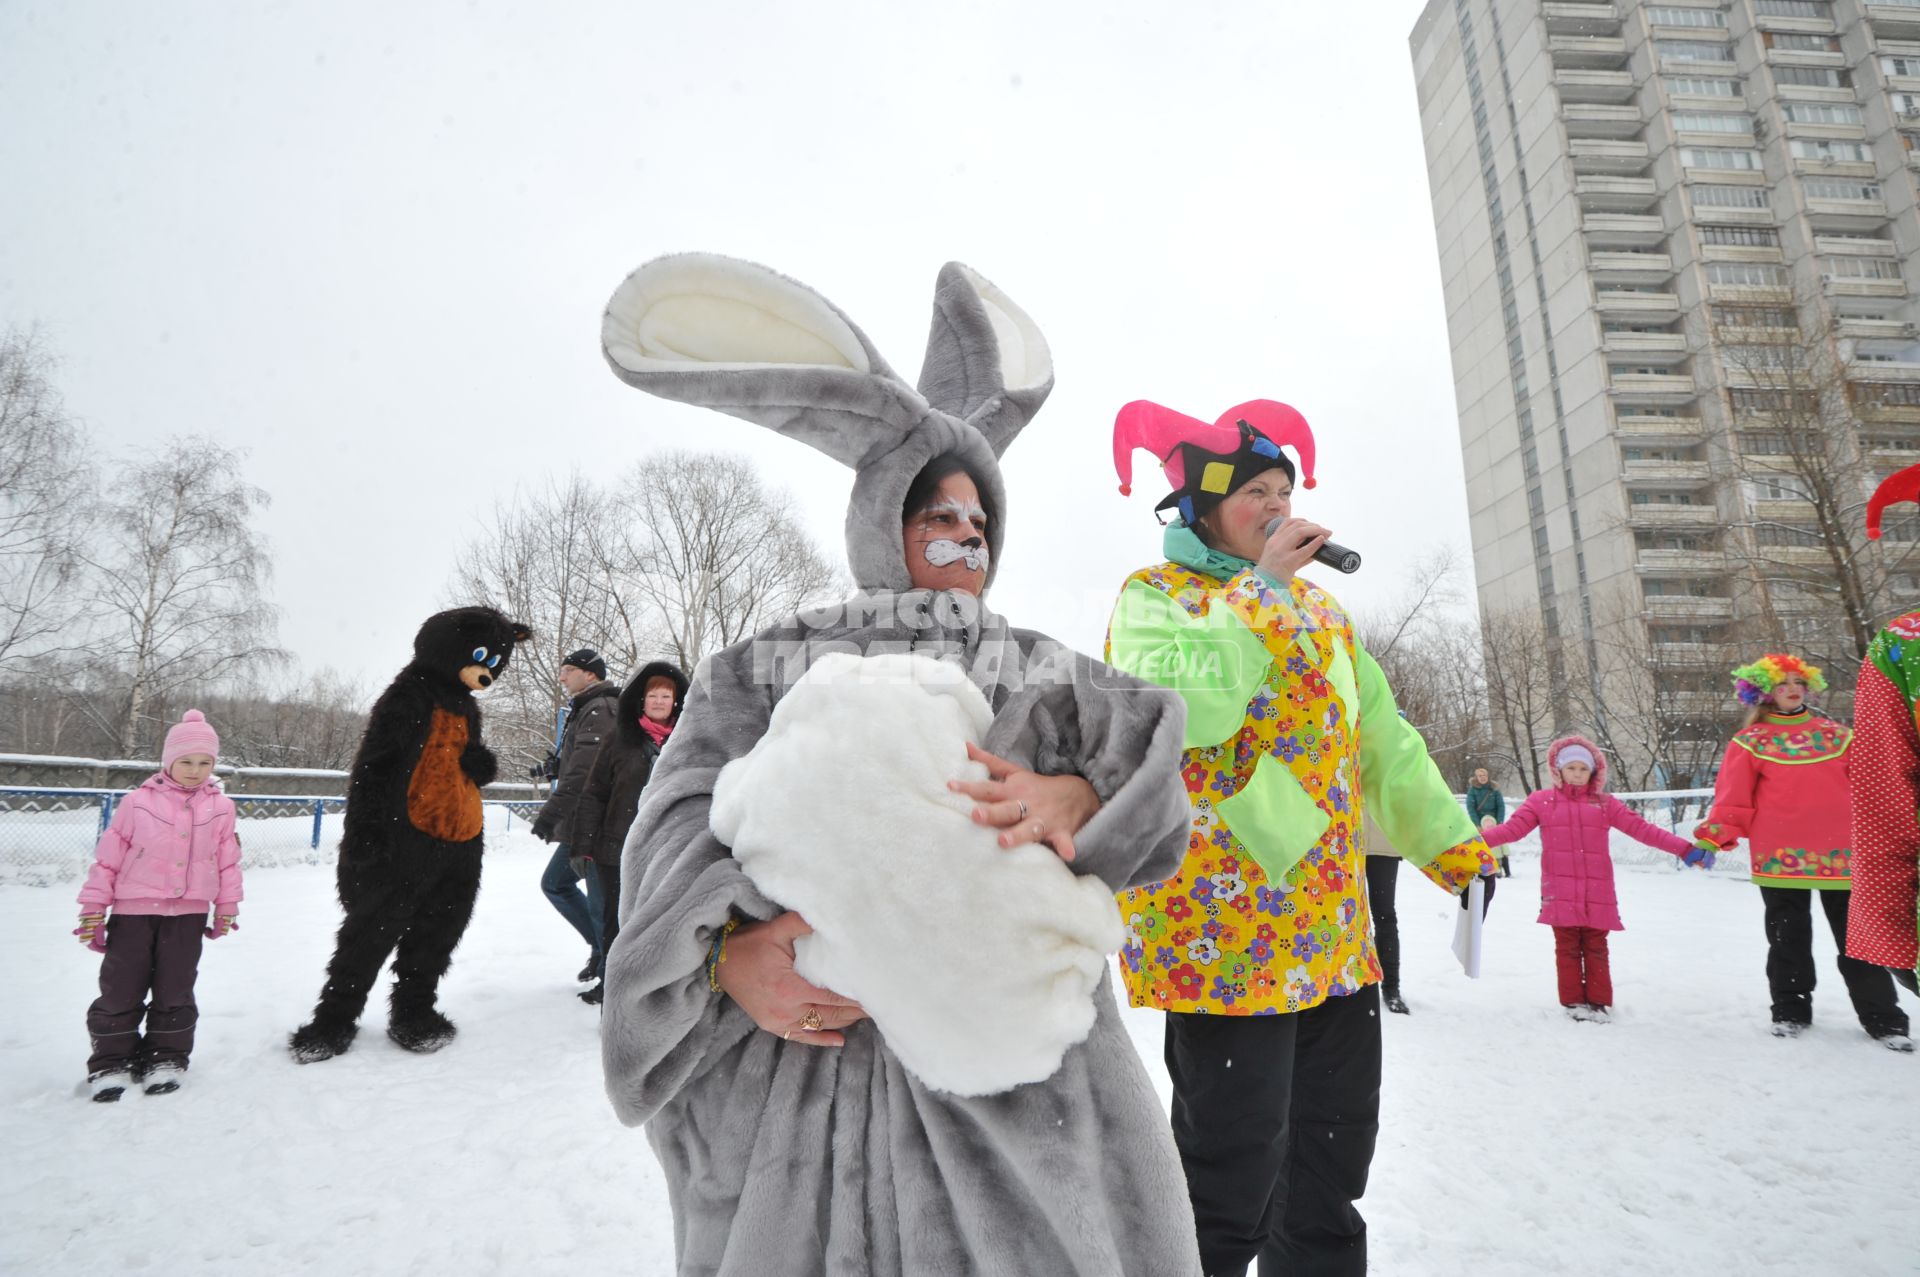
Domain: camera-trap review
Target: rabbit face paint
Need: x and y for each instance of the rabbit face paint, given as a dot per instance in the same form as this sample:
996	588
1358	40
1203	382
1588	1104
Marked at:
946	543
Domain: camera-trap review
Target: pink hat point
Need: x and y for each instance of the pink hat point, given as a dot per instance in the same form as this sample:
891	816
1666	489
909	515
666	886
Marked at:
1161	431
1901	485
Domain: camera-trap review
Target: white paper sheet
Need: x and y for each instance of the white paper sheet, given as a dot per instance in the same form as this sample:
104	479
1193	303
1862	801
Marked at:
1468	930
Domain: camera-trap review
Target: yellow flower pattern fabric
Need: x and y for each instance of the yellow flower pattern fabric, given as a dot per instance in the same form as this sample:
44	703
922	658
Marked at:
1226	935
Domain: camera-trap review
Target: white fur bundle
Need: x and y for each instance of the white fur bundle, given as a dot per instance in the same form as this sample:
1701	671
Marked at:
977	964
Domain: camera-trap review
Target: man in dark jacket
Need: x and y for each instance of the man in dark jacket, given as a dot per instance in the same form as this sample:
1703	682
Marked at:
649	708
1487	807
589	722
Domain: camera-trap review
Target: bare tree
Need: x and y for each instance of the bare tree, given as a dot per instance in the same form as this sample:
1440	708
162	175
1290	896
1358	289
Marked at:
1520	688
176	571
45	487
315	723
1429	651
1804	449
719	554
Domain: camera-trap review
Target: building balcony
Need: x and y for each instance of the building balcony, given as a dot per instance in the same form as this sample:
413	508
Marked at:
1609	267
1846	215
1742	253
1798	556
1794	512
1891	459
1593	86
1599	155
1678	562
1688	655
1883	371
1860	326
1587	52
1599	194
1688	607
1615	303
1645	427
1863	287
1654	348
1648	515
1785	339
1666	474
1564	18
1599	119
1623	230
1675	390
1894	21
1750	294
1806	58
1849	246
1888	414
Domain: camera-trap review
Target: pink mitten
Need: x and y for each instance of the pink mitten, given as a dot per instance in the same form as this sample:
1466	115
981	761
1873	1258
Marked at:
93	931
222	923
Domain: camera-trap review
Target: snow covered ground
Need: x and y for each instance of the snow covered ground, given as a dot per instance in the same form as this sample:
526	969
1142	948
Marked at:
1679	1139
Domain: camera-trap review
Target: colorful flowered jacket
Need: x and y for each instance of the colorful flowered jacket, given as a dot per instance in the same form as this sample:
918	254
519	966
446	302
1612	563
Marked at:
1291	730
1884	915
1783	788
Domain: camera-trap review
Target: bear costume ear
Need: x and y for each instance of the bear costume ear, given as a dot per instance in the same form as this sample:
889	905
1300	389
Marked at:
987	362
745	340
520	632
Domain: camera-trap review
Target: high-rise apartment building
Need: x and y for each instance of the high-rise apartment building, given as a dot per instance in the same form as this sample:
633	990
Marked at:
1676	242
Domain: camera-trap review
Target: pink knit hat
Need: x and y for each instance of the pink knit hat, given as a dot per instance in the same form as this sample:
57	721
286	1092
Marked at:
191	735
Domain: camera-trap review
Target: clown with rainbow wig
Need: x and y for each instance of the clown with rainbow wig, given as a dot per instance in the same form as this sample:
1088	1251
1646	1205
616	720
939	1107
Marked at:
1258	948
1783	788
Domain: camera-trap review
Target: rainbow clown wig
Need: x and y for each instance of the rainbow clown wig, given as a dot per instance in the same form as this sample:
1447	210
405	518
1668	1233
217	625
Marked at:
1754	683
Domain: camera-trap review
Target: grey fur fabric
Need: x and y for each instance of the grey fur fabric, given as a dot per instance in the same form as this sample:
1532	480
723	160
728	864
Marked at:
784	1158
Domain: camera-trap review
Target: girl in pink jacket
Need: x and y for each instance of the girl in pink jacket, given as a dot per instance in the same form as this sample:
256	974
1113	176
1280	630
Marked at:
1577	899
169	855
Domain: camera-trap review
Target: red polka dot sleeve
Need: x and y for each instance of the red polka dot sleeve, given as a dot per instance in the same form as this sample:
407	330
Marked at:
1885	774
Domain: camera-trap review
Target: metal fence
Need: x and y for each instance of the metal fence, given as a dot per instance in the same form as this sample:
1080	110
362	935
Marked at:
47	833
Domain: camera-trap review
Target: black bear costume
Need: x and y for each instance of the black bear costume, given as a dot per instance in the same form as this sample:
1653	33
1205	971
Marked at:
410	851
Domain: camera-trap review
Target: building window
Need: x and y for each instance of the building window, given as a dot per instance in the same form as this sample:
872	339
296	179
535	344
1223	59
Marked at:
1775	534
1693	51
1839	188
1774	487
1758	401
1793	9
1886	395
1813	77
1754	317
1828	151
1702	86
1858	268
1905	104
1747	274
1671	16
1820	113
1800	43
1712	122
1741	236
1720	158
1900	66
1706	195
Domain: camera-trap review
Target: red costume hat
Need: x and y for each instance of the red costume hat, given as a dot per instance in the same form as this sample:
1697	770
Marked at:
1203	461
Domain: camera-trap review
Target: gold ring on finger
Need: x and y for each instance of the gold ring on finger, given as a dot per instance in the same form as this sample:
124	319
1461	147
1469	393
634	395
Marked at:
810	1022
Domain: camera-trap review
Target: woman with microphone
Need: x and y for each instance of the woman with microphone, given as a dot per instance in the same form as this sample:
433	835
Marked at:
1258	946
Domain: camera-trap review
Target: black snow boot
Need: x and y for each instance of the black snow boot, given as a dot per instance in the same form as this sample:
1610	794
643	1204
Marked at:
108	1085
321	1039
591	971
416	1026
1394	1003
594	996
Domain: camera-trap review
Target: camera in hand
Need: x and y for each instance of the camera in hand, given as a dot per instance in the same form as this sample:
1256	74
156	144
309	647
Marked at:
1337	557
547	768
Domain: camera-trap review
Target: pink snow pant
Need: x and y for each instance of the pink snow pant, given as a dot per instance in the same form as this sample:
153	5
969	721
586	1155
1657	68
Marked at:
1585	978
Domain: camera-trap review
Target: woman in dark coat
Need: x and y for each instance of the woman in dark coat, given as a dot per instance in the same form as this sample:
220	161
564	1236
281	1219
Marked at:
649	706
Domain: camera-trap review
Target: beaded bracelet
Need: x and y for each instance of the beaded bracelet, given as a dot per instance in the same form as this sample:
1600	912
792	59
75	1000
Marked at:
717	954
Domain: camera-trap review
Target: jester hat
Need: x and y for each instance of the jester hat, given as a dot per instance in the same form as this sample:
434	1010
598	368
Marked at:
1205	462
1754	683
1901	485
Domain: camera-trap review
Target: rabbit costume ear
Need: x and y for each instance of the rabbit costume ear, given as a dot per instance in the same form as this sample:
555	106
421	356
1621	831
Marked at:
986	360
737	337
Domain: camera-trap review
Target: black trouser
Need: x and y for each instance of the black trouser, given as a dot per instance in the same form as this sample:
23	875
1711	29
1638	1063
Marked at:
1383	874
146	953
609	905
1275	1117
1506	866
1789	914
417	920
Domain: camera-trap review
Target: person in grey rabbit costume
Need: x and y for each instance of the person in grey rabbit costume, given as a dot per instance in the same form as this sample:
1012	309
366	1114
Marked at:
792	1139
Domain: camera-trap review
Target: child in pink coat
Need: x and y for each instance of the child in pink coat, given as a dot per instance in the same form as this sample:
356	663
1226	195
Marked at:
1577	898
169	855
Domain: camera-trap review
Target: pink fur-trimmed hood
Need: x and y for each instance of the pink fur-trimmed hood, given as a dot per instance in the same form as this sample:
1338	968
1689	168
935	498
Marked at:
1596	786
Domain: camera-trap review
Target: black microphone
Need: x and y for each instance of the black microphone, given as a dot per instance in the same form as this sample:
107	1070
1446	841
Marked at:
1337	557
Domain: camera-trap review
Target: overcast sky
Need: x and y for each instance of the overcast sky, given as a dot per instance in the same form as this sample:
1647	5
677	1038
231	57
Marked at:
371	243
